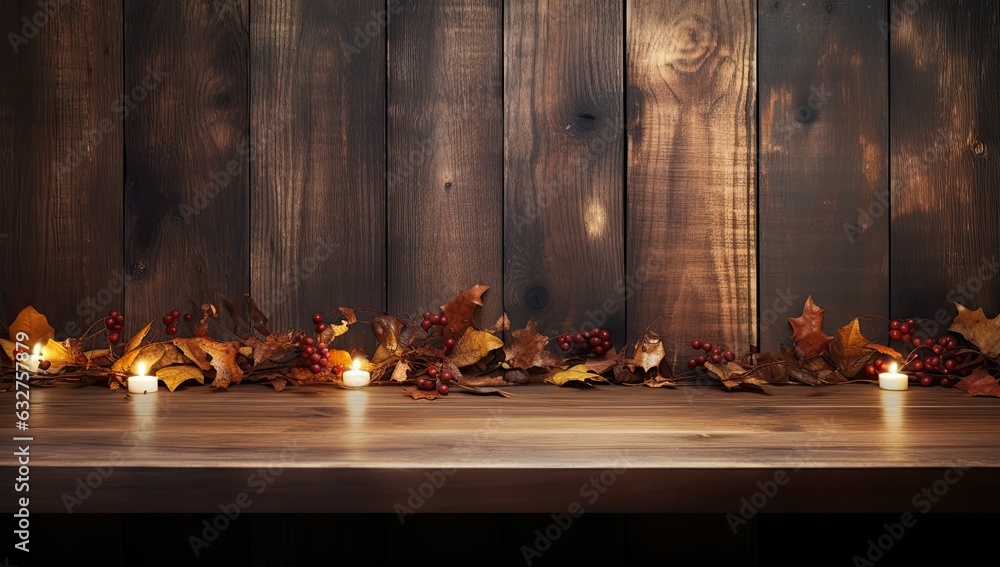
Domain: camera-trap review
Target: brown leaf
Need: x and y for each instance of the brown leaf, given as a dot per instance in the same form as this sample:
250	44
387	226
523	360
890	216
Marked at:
274	347
278	382
810	340
882	349
977	329
349	317
208	311
527	349
473	347
461	310
502	324
34	325
649	351
660	382
418	394
980	383
849	349
136	339
399	372
382	355
220	355
768	369
387	329
603	364
174	376
732	376
146	355
171	355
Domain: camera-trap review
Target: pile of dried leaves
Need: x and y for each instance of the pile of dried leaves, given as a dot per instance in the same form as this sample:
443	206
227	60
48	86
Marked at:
481	362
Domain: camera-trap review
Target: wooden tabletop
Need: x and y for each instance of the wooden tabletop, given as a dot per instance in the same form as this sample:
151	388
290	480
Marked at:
843	448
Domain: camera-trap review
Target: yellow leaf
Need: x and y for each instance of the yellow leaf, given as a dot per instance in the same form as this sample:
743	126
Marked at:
473	346
399	373
341	357
174	376
576	373
147	355
34	325
136	340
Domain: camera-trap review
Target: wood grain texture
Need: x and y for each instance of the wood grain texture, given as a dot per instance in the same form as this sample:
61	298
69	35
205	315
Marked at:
824	185
186	179
563	168
318	128
851	448
945	157
445	160
60	161
691	166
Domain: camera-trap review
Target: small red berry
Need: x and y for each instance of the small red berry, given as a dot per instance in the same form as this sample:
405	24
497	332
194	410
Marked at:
707	347
171	330
168	320
950	364
113	313
929	343
700	360
446	375
917	342
443	321
906	327
188	317
908	339
586	335
308	341
305	355
870	370
692	363
450	343
716	358
324	362
114	338
442	389
321	346
315	369
315	357
604	334
937	349
321	327
594	341
895	334
310	351
598	351
175	314
926	380
729	355
578	338
564	346
426	324
696	344
317	318
917	364
945	382
44	365
606	345
432	371
109	322
435	319
894	324
427	315
119	320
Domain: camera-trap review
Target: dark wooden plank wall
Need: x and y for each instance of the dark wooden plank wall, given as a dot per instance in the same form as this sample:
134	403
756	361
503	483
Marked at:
186	180
945	159
318	147
364	122
691	101
823	157
445	161
61	160
563	168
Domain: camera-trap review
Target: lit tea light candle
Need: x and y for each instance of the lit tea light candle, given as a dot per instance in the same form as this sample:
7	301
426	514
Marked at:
893	380
357	378
34	358
140	383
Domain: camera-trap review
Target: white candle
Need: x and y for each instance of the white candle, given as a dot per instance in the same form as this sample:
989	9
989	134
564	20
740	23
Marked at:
357	378
34	358
893	380
142	384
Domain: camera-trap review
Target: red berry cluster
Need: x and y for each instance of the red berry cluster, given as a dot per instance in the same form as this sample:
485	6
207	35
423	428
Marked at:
716	354
439	379
596	341
316	355
933	356
432	319
170	321
113	323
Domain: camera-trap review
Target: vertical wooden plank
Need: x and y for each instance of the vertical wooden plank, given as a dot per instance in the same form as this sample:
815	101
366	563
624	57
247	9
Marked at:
691	166
824	221
564	169
186	180
945	157
445	154
60	161
318	129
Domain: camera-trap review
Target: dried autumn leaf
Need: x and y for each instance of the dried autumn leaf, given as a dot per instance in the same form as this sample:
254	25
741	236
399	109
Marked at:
461	310
526	349
176	375
222	358
578	373
849	349
208	311
332	331
170	356
418	394
339	357
349	316
603	364
387	329
382	355
473	347
732	376
278	382
136	339
660	382
977	329
768	369
34	325
649	351
807	331
274	347
146	355
399	372
502	324
9	347
980	383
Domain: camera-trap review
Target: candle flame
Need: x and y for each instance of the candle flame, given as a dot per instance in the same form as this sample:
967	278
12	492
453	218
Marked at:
141	367
893	368
38	349
357	364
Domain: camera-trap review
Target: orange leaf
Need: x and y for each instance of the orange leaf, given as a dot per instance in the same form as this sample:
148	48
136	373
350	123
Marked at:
526	349
461	310
34	325
810	340
980	383
980	331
